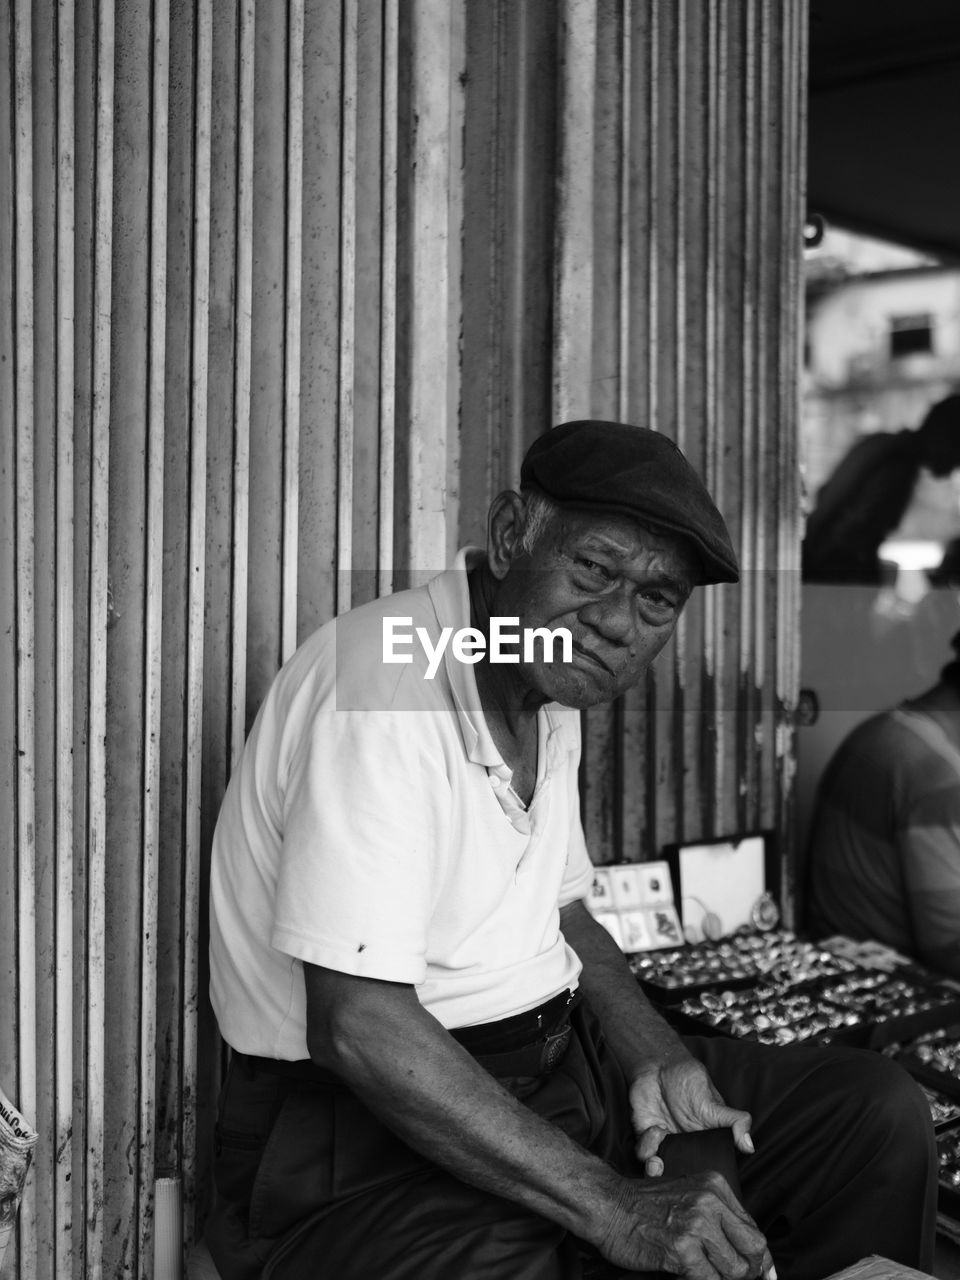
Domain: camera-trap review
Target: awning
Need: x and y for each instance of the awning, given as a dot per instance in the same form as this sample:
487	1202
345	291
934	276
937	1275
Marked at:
884	124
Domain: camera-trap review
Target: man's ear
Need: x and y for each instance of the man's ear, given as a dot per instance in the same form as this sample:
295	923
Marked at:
504	528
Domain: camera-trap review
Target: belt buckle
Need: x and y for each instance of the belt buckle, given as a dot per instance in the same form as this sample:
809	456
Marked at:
554	1047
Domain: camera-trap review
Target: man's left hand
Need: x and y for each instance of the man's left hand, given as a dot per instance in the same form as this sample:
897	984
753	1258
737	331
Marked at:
679	1097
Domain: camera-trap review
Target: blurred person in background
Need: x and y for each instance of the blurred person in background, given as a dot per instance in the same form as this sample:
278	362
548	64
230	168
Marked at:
866	497
884	860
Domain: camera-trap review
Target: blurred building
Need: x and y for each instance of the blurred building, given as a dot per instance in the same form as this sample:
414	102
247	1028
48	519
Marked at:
882	345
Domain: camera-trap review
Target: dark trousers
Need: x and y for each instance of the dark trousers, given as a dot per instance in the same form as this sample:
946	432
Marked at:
312	1186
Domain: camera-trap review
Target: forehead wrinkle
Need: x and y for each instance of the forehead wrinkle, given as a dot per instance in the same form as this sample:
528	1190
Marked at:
645	544
605	539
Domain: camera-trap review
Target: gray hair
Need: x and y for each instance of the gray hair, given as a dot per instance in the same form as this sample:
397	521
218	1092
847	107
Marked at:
538	513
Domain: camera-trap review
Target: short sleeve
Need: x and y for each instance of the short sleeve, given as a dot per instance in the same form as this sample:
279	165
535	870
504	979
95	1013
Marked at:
930	855
362	834
578	876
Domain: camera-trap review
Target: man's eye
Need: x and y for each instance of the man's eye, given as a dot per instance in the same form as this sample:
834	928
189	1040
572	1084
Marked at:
596	571
658	600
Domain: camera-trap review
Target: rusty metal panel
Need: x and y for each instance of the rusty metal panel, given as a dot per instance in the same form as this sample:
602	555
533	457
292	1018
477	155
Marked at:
192	937
365	183
575	241
292	327
242	287
46	535
267	108
158	74
437	42
320	333
172	901
97	613
65	662
135	478
268	221
47	1250
388	296
510	141
678	307
25	616
17	333
226	408
8	577
348	317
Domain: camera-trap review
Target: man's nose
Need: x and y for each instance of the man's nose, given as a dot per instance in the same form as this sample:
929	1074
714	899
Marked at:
611	617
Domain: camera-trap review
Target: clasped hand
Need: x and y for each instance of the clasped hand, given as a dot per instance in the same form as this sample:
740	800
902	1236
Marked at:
693	1226
679	1097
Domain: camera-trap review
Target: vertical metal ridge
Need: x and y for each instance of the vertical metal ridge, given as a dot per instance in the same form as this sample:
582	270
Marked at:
626	148
653	212
679	727
446	519
772	217
651	739
159	78
792	64
437	179
725	719
747	708
193	735
680	227
493	214
631	807
714	646
796	198
98	612
243	316
498	282
63	1062
518	280
292	331
388	298
348	270
626	817
763	747
388	291
25	602
574	287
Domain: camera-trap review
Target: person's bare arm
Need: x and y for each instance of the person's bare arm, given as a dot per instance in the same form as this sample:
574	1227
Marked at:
637	1034
670	1090
409	1071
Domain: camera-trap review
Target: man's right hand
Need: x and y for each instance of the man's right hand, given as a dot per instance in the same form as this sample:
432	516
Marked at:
692	1226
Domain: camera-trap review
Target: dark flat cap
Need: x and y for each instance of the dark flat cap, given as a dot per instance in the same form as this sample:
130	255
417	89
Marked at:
634	471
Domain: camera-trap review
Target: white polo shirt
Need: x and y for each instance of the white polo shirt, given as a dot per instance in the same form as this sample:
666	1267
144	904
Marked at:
368	828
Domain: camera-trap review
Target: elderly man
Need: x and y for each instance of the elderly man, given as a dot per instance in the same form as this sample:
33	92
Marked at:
442	1067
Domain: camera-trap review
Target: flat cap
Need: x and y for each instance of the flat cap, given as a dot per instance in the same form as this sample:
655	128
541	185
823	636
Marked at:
633	471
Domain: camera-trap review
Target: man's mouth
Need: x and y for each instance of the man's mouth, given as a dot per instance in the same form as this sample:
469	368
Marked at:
591	657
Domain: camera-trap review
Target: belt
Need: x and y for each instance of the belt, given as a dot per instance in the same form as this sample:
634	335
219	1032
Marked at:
301	1073
526	1044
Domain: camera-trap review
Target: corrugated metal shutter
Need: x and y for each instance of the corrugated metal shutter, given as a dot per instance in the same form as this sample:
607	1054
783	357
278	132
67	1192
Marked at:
285	290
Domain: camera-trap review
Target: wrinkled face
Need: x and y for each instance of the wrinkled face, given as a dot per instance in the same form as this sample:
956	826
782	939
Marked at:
617	587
